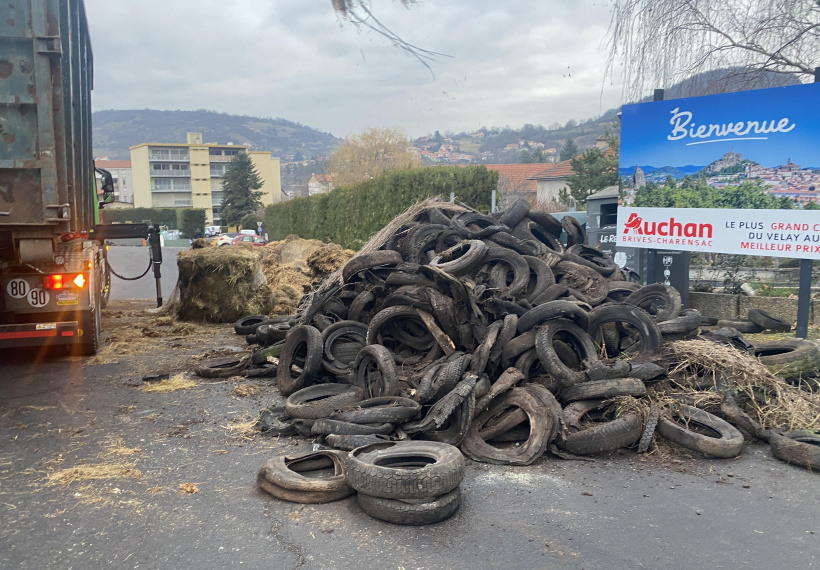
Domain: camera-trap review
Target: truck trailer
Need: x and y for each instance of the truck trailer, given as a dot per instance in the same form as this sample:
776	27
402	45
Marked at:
53	270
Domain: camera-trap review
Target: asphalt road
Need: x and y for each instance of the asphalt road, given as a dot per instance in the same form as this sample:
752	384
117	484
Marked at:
131	261
620	511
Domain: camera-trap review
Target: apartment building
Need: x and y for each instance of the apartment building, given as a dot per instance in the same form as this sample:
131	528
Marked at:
189	175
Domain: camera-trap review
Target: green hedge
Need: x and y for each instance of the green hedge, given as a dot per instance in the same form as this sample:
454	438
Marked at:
161	216
349	216
189	220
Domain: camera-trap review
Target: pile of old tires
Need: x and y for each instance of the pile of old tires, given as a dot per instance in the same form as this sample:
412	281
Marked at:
485	333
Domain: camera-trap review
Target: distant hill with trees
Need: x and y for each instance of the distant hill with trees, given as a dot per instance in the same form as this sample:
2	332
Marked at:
115	131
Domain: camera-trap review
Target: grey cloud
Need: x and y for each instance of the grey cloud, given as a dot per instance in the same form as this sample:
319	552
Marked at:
298	61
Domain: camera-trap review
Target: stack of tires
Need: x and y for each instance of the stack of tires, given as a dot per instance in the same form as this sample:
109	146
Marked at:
409	482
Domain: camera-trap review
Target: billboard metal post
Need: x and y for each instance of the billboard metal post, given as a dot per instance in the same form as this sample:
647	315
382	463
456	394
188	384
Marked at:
804	290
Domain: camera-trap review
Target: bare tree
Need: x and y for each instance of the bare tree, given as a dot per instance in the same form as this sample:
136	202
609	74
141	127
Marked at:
360	14
660	42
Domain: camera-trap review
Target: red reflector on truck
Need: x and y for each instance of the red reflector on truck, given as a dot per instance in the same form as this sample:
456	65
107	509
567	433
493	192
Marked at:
27	334
53	281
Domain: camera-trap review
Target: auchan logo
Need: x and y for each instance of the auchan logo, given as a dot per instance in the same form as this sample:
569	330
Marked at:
669	228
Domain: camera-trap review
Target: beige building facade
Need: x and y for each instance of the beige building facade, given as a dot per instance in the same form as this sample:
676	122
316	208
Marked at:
189	175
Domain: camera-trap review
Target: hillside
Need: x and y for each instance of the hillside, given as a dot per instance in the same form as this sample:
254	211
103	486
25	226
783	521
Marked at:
116	131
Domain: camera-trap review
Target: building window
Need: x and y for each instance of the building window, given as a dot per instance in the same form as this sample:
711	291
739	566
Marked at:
231	152
215	152
162	184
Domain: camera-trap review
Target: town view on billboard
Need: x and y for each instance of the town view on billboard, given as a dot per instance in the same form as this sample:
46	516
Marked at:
753	149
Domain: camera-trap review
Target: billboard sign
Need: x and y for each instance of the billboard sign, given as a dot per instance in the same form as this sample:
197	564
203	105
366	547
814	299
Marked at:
770	136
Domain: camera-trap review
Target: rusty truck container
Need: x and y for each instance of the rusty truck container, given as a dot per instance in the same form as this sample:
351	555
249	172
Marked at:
50	272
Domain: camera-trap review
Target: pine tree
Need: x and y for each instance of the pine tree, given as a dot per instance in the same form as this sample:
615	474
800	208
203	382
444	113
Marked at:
569	150
240	195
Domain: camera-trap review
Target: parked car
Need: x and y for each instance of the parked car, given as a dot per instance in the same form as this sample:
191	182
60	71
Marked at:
225	239
211	231
253	240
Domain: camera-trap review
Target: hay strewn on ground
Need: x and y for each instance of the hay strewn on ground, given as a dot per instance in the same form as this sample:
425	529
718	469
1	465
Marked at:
771	401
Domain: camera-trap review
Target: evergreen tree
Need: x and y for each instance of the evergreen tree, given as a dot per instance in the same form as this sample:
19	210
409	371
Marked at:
569	150
526	157
240	190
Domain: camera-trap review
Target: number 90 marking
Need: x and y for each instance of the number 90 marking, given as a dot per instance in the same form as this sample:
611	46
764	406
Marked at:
17	288
38	297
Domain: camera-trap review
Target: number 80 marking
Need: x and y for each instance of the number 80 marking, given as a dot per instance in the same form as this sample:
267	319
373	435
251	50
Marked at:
17	288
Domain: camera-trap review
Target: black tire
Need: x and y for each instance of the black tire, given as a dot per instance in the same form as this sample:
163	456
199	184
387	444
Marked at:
89	339
248	325
640	321
575	231
686	322
551	293
367	260
405	470
600	437
575	337
303	348
321	401
541	277
662	302
768	321
325	426
741	325
551	311
375	372
725	441
411	512
591	257
342	342
801	447
461	258
547	221
351	442
393	409
223	367
281	477
515	213
604	389
790	359
543	423
507	261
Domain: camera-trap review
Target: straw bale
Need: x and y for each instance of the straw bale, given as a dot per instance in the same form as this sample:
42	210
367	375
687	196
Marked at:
221	284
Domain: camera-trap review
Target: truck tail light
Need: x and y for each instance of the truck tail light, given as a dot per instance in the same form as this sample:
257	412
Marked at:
61	281
53	281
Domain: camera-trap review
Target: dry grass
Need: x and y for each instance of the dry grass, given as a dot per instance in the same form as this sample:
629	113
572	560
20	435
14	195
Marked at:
772	402
94	472
245	390
172	384
244	429
116	349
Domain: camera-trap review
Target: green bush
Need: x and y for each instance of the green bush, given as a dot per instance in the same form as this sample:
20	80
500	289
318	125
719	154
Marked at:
349	216
161	216
189	220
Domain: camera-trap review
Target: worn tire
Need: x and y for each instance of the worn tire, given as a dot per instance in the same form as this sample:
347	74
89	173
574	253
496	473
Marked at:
301	338
368	260
321	401
461	258
647	296
325	426
247	325
393	409
386	383
281	477
411	512
801	447
727	442
550	311
686	322
405	470
768	321
634	316
223	367
741	325
790	359
600	437
604	389
579	341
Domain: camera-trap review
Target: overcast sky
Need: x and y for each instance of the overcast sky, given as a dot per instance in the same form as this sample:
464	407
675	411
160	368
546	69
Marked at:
513	62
